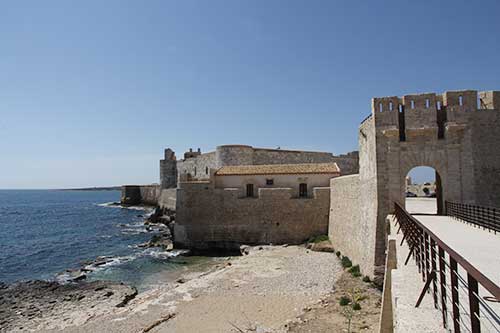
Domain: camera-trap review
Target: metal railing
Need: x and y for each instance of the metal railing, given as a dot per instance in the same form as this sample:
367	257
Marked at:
459	290
484	217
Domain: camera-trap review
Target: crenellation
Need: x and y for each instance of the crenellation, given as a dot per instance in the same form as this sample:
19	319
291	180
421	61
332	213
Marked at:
489	100
420	111
386	110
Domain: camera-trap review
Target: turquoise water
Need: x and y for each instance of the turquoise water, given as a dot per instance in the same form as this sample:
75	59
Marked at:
43	233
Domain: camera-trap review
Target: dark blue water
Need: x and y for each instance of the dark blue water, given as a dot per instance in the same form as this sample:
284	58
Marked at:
43	233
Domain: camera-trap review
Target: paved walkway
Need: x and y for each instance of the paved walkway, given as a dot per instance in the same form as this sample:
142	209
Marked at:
479	247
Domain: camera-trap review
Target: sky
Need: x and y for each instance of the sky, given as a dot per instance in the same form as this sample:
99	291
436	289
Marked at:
92	92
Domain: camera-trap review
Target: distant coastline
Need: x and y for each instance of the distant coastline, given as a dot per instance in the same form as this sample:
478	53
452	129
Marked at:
109	188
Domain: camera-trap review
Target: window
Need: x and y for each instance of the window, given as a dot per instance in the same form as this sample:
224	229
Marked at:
270	181
461	100
249	190
206	170
303	190
195	171
412	104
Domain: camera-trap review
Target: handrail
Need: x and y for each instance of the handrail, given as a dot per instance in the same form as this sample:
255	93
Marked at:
429	250
484	217
480	277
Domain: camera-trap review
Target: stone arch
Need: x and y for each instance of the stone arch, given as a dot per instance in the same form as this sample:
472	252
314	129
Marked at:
424	158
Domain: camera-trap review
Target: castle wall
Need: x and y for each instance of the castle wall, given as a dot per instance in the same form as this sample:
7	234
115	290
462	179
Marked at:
346	230
220	218
286	181
197	167
486	152
368	184
168	198
140	194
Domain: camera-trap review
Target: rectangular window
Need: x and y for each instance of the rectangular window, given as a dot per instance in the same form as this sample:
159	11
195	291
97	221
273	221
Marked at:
303	190
249	190
269	181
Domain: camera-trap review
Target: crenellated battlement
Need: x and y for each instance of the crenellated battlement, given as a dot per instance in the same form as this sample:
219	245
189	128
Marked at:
428	113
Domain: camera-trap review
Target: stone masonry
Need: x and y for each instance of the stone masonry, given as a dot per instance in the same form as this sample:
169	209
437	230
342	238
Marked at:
456	133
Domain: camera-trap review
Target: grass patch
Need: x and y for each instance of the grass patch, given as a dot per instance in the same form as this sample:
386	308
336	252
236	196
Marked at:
318	239
356	306
346	262
344	300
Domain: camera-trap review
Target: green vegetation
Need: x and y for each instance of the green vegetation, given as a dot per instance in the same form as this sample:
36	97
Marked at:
344	300
318	239
346	262
338	253
354	269
356	306
366	279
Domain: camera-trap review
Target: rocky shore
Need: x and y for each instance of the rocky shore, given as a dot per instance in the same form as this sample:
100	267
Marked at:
24	305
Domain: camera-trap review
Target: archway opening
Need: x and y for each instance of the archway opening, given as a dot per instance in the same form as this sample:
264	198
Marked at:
423	191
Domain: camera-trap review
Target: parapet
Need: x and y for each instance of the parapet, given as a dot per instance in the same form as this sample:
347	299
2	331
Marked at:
421	110
489	100
191	153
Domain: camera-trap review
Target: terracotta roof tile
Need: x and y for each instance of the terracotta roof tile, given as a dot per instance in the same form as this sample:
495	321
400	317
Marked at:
278	169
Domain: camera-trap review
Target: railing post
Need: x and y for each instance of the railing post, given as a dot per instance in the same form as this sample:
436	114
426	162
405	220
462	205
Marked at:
442	282
434	269
475	324
454	295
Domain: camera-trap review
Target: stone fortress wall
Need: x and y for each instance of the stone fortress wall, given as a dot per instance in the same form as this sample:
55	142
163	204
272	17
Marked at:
456	133
209	217
140	194
196	165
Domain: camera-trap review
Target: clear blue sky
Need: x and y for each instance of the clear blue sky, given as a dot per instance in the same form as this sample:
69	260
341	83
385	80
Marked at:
91	92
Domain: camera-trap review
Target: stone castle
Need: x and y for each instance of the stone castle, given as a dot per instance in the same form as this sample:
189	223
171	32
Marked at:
301	194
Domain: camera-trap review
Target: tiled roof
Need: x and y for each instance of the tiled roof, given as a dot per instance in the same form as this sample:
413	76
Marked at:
278	169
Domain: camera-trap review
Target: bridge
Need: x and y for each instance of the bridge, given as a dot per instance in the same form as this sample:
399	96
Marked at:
444	270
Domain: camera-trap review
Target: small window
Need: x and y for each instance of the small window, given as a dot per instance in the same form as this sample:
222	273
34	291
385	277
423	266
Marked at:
303	190
461	100
195	171
380	107
412	103
206	170
390	106
427	103
438	105
269	181
249	190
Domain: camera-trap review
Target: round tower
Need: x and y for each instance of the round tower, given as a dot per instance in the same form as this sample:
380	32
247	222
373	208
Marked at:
234	155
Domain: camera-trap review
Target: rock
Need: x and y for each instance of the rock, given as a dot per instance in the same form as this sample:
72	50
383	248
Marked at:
127	298
161	240
181	280
245	250
323	246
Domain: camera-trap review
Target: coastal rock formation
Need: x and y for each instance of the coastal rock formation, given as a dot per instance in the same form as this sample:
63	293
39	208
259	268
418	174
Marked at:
24	304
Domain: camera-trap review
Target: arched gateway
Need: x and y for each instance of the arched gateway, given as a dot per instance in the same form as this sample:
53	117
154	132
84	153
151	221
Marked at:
456	133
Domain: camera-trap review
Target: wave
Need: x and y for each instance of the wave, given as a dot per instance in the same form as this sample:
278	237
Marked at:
113	204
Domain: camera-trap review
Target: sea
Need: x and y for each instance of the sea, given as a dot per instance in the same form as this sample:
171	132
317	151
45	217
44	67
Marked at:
45	233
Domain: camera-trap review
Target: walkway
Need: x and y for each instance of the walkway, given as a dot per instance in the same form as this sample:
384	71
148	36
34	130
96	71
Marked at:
479	247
